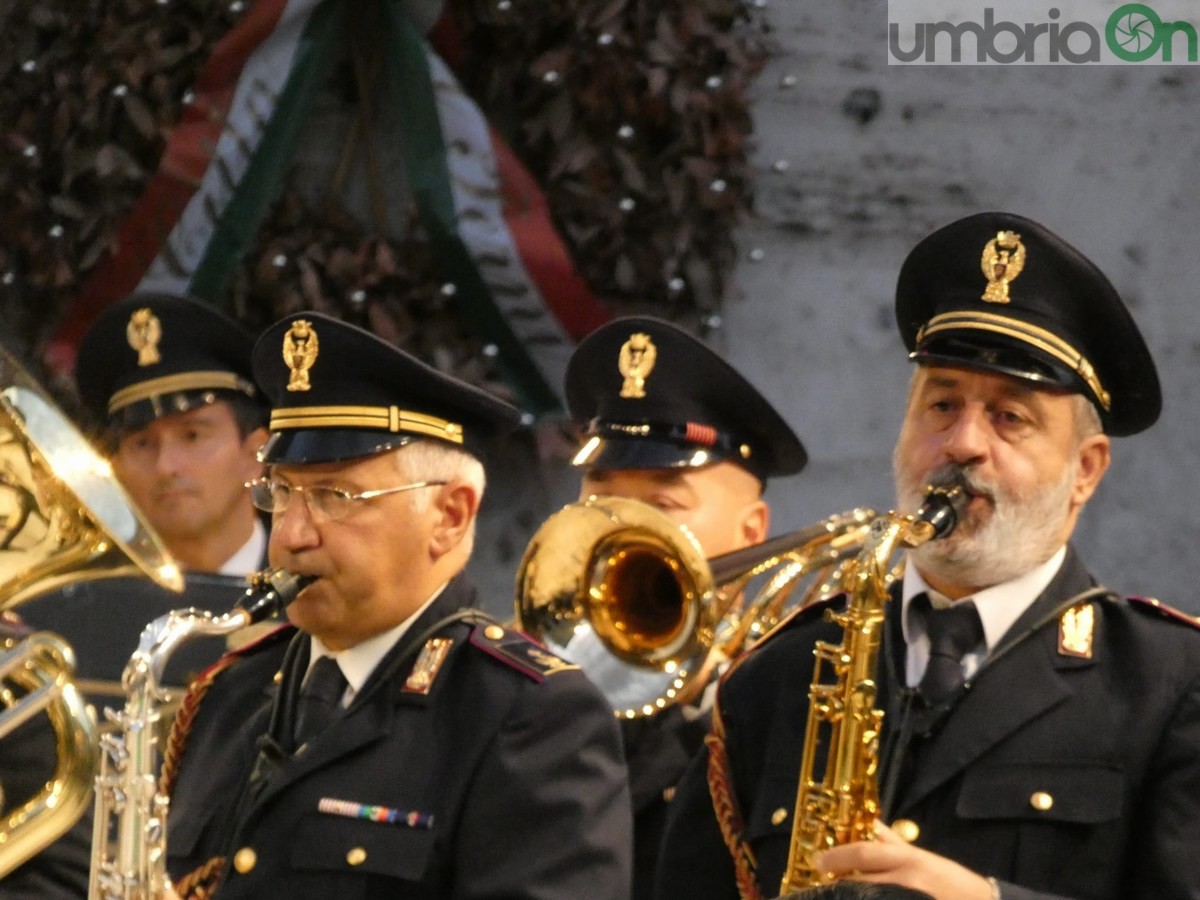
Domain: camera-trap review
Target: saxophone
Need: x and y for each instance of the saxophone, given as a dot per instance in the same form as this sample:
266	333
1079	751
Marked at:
129	841
842	803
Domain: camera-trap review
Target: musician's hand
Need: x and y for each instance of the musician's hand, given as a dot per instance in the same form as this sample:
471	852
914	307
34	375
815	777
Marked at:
169	894
890	860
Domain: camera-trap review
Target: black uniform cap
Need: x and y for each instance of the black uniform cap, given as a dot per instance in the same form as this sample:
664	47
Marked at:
651	396
338	392
1000	292
151	355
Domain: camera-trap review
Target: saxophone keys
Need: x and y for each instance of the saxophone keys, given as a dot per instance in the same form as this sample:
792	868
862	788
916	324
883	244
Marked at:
906	829
779	816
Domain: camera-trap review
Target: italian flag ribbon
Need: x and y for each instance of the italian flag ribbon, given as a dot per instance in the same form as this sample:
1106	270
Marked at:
226	162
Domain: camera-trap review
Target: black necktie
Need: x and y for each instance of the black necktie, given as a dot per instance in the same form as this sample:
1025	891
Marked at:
320	699
953	632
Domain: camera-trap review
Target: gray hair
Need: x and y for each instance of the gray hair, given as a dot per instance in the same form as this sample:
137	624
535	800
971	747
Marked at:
1087	417
429	460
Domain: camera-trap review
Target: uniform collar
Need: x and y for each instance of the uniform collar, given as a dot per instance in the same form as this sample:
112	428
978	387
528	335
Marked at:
999	607
358	662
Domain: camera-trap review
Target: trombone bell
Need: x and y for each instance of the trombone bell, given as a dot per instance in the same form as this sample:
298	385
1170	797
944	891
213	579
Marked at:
619	589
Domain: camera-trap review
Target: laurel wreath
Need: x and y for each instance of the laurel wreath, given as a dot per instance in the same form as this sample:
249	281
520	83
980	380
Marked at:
632	116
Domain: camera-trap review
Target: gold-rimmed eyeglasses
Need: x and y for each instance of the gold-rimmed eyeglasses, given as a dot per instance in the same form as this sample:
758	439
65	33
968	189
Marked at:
328	502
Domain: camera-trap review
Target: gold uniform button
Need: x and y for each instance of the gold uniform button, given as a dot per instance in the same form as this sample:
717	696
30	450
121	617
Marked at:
357	856
907	830
1041	801
779	816
493	632
245	860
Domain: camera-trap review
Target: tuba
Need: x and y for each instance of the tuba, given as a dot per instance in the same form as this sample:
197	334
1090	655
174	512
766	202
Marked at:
63	519
615	586
841	804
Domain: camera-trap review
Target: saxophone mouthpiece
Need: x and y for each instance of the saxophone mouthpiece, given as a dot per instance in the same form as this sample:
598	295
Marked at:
270	592
943	506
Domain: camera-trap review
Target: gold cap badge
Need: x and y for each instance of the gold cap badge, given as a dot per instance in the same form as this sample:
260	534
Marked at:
300	352
1003	259
635	362
143	332
1075	631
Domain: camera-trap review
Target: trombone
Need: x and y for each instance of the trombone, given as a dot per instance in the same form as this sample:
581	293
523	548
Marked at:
615	586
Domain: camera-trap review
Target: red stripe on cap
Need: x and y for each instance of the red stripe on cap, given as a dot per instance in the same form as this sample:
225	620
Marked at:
704	435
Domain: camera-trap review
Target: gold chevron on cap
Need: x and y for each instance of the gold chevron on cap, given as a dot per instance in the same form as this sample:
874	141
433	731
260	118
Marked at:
1046	341
173	384
382	418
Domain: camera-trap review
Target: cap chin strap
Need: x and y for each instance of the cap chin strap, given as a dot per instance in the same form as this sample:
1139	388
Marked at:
176	384
380	418
1036	337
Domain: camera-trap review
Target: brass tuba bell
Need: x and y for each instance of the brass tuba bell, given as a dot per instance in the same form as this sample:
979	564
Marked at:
63	519
615	586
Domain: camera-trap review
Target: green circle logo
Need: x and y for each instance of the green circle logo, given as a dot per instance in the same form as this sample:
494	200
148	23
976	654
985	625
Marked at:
1133	32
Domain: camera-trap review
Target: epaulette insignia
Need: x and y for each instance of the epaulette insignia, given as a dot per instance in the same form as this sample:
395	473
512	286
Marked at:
1075	628
1167	612
519	652
429	663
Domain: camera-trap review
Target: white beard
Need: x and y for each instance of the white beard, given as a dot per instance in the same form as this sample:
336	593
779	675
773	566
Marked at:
1020	533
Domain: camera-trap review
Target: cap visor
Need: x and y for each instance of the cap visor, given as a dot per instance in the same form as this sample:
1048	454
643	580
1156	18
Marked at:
643	453
326	445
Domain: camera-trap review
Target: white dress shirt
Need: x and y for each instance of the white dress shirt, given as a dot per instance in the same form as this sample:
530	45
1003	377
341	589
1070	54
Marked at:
999	607
358	662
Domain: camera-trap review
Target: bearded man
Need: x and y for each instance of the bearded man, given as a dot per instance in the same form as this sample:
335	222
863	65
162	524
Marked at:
1040	731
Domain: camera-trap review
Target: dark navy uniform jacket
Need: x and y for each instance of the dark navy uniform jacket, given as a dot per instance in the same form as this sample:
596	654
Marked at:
1058	775
506	779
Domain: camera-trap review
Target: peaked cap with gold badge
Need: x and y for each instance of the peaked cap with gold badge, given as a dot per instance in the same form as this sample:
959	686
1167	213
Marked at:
338	392
1001	292
151	355
651	396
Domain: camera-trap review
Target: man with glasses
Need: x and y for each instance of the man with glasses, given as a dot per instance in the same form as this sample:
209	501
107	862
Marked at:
409	745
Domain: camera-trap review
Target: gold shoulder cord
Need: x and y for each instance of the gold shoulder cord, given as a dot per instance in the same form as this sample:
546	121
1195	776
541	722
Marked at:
200	883
729	817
